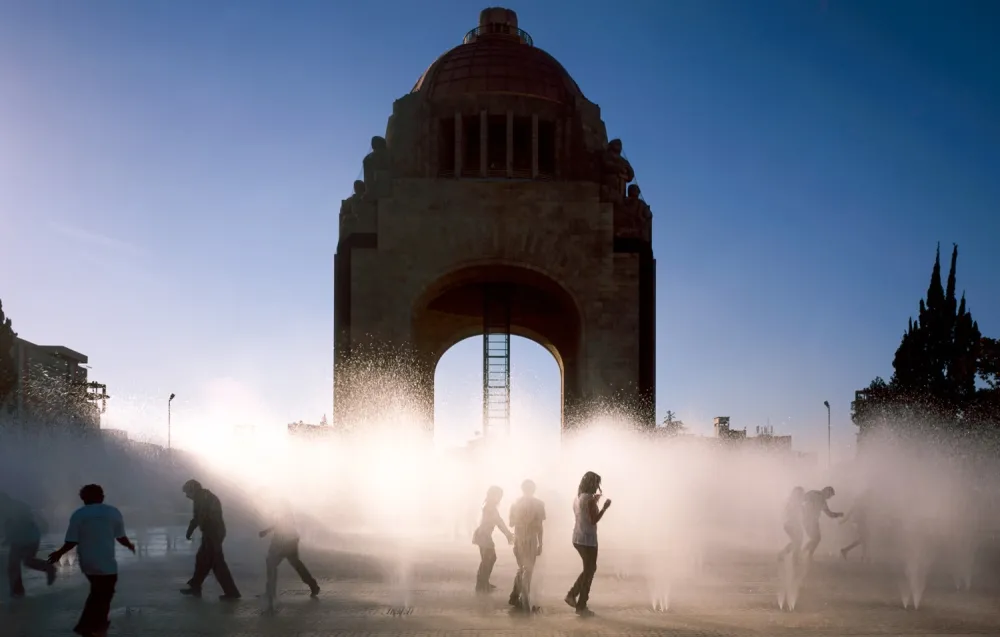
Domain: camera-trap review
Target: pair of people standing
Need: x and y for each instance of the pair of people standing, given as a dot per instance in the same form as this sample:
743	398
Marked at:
527	516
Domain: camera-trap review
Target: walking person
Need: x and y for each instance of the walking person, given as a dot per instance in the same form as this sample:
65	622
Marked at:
483	538
815	503
21	536
793	524
527	517
284	546
209	558
588	514
93	530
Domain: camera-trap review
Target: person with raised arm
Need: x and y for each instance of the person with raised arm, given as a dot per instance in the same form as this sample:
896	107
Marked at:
93	530
483	538
813	504
588	513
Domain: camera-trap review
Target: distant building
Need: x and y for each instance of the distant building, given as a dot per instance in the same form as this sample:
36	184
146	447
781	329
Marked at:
720	425
52	386
307	430
764	438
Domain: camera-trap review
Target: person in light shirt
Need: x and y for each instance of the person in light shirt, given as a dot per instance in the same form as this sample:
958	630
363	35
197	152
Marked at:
588	514
284	546
93	530
527	517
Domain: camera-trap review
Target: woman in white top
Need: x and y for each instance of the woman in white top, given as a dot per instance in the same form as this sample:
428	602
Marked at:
483	538
588	514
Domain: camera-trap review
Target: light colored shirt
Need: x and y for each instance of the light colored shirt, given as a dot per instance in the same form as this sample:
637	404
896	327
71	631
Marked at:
527	516
284	524
585	529
94	529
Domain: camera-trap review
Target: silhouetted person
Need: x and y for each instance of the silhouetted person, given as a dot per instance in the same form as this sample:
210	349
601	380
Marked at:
588	514
21	536
93	530
859	515
285	546
527	516
483	538
815	503
793	523
209	558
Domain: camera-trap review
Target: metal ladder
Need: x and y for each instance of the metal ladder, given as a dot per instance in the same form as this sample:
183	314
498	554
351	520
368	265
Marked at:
496	360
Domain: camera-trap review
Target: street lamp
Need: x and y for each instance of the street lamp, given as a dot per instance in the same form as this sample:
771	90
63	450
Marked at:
829	462
169	400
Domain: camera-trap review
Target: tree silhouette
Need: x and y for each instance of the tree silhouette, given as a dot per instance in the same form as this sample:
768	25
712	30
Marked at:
671	425
989	363
8	366
936	365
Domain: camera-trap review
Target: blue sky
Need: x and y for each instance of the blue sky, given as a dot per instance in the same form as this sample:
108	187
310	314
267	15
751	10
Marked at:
171	170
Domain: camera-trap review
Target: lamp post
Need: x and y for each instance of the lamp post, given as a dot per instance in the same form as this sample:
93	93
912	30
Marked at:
169	400
829	462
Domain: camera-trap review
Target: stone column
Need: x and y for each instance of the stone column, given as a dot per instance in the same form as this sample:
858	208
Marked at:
458	145
534	146
510	144
484	121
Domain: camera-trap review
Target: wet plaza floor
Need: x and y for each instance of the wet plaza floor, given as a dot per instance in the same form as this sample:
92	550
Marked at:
362	595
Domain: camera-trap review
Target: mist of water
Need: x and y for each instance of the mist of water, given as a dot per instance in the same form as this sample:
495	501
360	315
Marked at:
677	503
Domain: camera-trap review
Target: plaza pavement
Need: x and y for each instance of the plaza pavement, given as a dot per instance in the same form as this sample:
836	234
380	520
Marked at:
736	595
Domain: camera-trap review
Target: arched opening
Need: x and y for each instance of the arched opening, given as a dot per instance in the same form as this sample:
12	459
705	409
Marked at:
541	312
536	394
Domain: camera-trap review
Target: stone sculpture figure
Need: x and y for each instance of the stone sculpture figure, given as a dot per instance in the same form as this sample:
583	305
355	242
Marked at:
633	218
374	163
616	172
347	207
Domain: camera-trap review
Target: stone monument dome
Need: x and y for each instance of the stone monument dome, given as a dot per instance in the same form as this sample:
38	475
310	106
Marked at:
497	57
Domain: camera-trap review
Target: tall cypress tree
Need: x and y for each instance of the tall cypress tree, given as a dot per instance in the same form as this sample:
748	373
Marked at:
938	354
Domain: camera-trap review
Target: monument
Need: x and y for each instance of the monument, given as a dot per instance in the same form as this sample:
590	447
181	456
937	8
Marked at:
495	205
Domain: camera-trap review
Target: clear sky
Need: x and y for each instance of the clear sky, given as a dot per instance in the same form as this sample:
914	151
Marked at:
171	171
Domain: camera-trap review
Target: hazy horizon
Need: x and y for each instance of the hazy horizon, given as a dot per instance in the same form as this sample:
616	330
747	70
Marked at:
171	172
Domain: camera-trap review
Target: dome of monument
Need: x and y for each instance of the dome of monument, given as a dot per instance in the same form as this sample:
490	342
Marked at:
497	57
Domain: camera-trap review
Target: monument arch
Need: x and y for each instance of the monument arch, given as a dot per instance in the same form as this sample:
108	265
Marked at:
496	205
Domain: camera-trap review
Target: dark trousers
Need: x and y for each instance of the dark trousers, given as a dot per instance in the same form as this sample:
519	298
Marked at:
94	618
211	559
488	557
581	589
22	553
526	554
286	550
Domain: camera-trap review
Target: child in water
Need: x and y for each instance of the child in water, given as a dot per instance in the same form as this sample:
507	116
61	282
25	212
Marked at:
483	538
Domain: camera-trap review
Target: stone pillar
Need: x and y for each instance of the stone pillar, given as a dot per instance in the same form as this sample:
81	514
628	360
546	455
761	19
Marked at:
484	121
534	146
458	145
510	144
